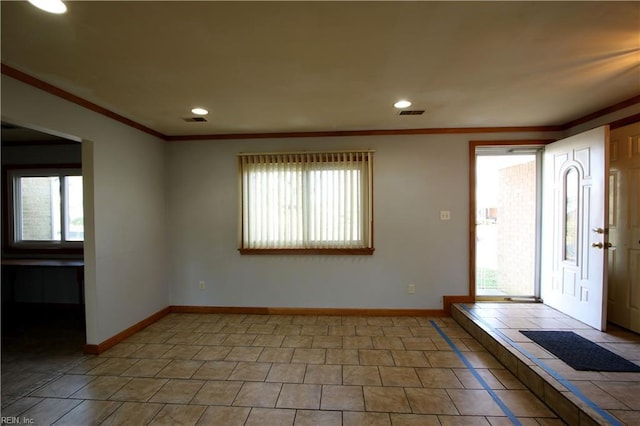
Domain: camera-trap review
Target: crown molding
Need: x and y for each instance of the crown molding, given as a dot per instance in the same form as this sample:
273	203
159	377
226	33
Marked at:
53	90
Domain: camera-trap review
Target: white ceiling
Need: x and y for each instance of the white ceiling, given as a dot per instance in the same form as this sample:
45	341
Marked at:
329	66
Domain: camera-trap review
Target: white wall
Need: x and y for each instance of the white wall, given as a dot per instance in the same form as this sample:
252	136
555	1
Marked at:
126	244
415	177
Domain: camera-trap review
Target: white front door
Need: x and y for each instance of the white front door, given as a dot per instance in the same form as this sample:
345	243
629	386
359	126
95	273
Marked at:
574	223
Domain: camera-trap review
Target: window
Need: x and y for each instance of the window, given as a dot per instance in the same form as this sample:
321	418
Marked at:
313	202
46	208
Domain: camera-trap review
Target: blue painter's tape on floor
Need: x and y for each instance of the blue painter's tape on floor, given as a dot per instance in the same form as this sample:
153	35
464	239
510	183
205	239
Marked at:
566	383
477	375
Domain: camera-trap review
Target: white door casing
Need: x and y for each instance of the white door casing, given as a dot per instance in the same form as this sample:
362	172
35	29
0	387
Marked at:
574	219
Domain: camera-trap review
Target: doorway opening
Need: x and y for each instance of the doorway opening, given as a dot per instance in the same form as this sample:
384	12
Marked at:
507	220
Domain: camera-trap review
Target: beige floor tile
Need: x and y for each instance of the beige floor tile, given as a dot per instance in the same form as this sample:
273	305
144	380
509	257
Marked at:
380	321
508	380
443	359
309	356
626	392
342	330
297	342
50	409
262	328
287	373
410	359
387	399
177	391
182	352
387	342
418	344
64	386
354	418
112	367
342	356
414	420
250	371
184	338
357	342
271	417
318	418
89	413
239	339
399	376
132	413
323	374
18	407
361	375
375	357
101	388
235	328
327	342
209	327
173	414
430	401
443	378
151	350
523	403
355	321
215	370
268	341
469	381
305	320
211	339
282	355
397	331
463	421
474	402
299	396
224	416
180	369
257	394
146	368
343	398
368	330
288	330
122	350
138	389
280	319
217	393
314	330
212	353
242	353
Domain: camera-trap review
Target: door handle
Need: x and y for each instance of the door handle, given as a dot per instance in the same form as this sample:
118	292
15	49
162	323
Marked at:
601	245
598	230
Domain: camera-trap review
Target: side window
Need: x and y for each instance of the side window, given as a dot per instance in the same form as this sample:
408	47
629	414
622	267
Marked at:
45	208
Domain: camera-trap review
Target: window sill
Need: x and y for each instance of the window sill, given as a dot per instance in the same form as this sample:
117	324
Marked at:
330	251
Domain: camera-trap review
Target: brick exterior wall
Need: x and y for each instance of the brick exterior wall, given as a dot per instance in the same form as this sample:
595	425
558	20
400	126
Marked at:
516	229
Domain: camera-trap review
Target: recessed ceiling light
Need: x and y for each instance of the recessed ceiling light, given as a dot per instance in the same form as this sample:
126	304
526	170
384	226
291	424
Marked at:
402	104
200	111
51	6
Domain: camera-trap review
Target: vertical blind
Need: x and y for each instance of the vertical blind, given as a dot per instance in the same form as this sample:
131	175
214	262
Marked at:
306	200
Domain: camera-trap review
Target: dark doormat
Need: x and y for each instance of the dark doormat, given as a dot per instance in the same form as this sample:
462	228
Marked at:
580	353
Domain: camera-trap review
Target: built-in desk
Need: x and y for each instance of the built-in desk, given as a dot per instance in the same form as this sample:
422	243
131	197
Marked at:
10	266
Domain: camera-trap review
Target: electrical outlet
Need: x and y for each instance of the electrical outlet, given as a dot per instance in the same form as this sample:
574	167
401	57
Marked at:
411	288
202	285
445	215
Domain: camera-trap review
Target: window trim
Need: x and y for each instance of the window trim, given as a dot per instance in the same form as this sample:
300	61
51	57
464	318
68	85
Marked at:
369	224
10	245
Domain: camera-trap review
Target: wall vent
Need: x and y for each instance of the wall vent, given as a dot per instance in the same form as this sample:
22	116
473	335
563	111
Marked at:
412	112
195	119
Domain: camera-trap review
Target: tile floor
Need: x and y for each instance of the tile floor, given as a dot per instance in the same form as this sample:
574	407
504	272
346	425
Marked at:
215	369
617	395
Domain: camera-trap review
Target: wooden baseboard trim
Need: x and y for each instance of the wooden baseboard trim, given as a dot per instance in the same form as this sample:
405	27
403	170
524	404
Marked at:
450	300
112	341
307	311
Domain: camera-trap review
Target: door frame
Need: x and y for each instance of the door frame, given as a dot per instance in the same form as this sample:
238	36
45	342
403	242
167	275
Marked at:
472	194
